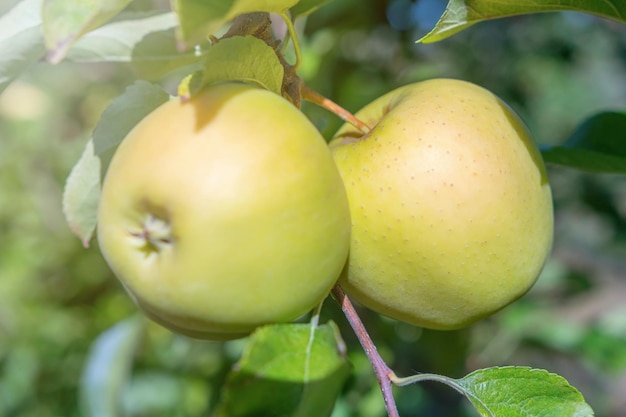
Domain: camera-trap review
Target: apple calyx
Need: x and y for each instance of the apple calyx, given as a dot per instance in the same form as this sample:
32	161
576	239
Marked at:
154	236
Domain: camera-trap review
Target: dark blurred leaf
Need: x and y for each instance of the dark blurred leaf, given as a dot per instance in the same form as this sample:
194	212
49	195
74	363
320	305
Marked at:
521	391
585	160
21	41
305	7
108	367
290	370
65	21
244	58
20	369
461	14
605	350
82	189
200	18
597	145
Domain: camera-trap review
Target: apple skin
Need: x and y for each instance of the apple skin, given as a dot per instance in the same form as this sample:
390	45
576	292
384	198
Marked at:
452	215
224	213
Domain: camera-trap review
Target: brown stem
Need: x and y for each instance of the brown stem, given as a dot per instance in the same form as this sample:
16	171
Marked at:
316	98
384	374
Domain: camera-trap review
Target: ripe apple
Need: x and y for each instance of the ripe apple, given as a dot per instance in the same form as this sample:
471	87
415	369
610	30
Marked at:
224	213
452	214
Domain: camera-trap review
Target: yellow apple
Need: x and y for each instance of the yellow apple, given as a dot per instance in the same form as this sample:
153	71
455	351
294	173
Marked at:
452	214
224	213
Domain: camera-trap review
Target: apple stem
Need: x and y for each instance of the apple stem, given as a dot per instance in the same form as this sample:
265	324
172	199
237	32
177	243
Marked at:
316	98
384	374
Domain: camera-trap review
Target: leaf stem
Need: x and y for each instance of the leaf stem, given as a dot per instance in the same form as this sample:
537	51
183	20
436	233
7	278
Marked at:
384	374
294	39
451	382
316	98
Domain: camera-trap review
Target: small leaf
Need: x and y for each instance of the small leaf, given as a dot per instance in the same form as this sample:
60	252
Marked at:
200	18
147	42
522	392
21	41
305	7
65	21
108	367
597	145
461	14
244	58
81	195
294	370
190	85
82	188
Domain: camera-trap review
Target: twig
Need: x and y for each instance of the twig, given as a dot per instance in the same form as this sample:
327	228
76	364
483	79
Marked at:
316	98
384	374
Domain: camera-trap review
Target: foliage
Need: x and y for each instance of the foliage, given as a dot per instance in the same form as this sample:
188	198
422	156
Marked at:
460	14
57	298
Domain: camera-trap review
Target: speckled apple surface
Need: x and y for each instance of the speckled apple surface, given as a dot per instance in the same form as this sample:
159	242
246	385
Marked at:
452	214
224	213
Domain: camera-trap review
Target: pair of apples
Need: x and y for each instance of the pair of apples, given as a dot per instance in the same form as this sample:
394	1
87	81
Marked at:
230	211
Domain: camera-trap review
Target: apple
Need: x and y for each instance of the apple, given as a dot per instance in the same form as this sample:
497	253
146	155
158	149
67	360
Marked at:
224	213
452	215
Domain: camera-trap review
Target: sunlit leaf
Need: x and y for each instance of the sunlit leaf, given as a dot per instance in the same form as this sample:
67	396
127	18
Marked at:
108	368
21	41
201	18
291	370
461	14
522	392
65	21
244	58
597	145
190	85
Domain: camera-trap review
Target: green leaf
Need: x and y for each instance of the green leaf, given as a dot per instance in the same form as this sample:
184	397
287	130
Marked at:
294	370
244	58
65	21
585	160
108	368
81	195
147	42
82	188
21	41
305	7
597	145
200	18
461	14
522	392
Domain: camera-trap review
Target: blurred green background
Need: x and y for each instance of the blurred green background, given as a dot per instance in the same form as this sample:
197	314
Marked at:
555	69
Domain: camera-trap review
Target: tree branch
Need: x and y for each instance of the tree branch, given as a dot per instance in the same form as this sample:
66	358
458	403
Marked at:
384	374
